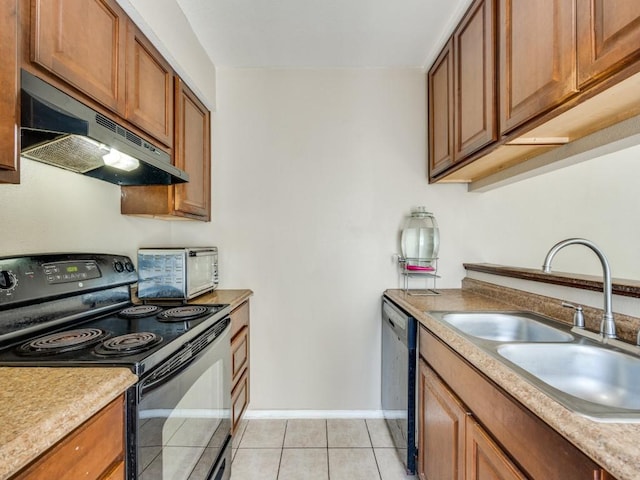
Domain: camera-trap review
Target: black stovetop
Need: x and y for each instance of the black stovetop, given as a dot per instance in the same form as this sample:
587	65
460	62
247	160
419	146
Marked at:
173	336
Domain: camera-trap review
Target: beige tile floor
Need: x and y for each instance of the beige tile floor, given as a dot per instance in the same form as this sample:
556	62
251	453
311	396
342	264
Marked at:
315	449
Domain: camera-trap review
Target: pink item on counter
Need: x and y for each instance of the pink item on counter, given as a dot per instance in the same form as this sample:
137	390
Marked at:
419	268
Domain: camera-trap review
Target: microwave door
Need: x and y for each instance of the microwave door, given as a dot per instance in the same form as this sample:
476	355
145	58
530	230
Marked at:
201	273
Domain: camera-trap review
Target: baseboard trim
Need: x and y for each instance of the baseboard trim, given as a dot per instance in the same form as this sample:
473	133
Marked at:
287	414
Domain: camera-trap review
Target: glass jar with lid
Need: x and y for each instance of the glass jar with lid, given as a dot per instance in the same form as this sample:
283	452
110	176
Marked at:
420	240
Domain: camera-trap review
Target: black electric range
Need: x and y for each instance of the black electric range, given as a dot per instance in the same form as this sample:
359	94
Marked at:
76	310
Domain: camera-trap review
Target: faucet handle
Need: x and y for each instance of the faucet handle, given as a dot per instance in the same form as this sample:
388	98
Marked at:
578	317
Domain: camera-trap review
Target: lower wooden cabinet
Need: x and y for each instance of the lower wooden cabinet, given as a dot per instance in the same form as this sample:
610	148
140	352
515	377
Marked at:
239	363
484	459
442	420
94	451
470	429
452	444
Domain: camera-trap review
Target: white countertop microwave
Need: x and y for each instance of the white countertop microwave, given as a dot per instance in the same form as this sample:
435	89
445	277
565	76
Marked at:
176	273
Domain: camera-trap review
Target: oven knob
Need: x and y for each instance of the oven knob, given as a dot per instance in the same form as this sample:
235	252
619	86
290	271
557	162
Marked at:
128	266
118	266
8	280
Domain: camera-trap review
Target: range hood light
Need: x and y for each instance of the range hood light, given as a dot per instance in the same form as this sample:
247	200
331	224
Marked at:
120	161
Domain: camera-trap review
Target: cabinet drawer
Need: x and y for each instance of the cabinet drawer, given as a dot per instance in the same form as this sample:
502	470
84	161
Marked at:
239	353
239	318
239	400
88	452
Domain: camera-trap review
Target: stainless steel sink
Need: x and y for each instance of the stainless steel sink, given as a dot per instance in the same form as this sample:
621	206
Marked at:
594	379
506	326
592	373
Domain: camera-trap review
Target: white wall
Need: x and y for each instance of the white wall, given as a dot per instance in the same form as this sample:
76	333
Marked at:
598	199
314	171
54	210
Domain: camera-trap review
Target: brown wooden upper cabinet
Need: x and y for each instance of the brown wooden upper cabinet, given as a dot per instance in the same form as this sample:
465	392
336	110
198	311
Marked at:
608	37
93	46
523	77
462	90
192	153
537	58
82	42
474	80
149	87
440	88
9	89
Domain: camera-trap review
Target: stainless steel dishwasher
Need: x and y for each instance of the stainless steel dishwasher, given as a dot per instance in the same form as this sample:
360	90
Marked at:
399	380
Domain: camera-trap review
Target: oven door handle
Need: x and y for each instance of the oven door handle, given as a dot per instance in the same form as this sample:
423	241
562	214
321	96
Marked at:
166	375
187	355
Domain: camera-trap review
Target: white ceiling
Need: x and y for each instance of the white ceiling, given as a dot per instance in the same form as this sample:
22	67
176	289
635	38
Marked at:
322	33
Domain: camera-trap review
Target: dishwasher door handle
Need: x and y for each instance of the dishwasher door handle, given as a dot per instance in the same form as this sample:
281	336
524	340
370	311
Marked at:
395	319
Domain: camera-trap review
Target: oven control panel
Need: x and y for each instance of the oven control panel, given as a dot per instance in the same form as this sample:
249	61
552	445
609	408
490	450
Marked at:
34	278
71	271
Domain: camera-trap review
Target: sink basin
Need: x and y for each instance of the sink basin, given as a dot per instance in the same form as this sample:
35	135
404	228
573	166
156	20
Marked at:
592	373
506	326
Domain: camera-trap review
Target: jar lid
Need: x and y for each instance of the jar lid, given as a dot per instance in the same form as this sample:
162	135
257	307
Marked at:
421	212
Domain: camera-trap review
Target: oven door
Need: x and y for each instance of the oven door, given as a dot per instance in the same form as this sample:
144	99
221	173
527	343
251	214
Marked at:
183	420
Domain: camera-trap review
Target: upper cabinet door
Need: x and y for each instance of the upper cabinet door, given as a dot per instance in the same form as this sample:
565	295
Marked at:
81	41
9	88
474	44
537	58
149	91
440	94
192	153
608	36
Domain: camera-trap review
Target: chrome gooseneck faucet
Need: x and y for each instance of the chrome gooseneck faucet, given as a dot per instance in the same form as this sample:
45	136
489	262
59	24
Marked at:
607	326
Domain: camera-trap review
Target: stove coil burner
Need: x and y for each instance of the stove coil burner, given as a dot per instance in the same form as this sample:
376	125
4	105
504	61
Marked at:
186	312
128	344
139	311
60	342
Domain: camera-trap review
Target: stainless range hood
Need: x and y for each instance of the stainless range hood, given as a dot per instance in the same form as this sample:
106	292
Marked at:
59	130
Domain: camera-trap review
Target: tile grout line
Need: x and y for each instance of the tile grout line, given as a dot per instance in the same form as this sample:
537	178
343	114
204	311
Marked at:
326	434
286	424
375	458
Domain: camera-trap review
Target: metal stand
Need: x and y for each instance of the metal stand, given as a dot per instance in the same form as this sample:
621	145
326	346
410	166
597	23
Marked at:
427	275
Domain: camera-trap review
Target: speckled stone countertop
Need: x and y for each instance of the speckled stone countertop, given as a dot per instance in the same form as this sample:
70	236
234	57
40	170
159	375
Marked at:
232	297
614	446
40	406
